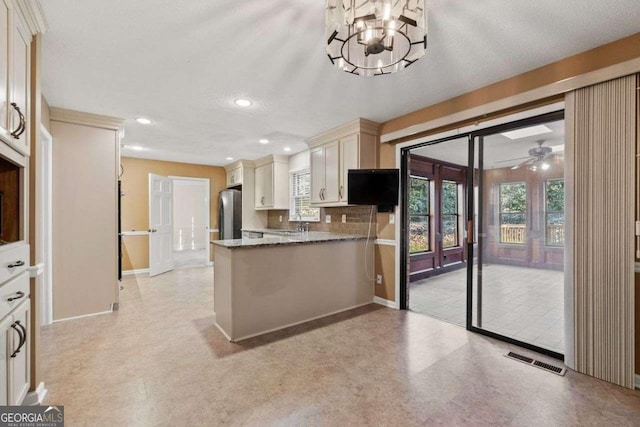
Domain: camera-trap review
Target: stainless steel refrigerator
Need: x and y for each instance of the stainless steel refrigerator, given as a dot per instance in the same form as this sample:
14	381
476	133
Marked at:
230	214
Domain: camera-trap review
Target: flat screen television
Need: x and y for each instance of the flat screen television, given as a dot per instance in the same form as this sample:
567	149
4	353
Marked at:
374	187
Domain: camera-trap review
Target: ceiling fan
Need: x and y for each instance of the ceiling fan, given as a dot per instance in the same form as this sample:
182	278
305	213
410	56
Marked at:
539	157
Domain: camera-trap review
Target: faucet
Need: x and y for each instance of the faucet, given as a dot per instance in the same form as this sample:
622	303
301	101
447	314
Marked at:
299	226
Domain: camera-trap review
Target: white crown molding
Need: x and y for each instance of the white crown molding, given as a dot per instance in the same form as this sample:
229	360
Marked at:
240	164
33	15
87	119
355	126
272	158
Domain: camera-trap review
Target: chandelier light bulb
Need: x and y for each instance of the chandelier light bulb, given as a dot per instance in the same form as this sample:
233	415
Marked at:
373	37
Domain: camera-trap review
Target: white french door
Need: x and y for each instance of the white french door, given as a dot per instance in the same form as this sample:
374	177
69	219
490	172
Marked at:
160	224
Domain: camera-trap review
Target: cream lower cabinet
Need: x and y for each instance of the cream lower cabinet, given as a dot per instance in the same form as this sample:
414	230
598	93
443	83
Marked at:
272	183
352	146
15	348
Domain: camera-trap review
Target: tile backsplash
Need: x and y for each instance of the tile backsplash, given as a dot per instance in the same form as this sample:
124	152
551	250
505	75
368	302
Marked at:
357	220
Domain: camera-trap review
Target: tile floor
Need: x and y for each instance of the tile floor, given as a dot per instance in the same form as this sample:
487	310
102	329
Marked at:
523	303
160	361
189	258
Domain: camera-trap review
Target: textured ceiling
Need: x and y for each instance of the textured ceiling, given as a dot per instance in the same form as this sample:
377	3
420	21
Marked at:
182	63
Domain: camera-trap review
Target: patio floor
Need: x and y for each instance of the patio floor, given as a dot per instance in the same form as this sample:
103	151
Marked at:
526	304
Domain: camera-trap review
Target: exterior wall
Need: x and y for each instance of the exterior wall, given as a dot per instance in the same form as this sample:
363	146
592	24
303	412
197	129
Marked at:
135	202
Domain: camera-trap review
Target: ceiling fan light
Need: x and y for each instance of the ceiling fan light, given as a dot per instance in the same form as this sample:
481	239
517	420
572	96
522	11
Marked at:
545	166
374	37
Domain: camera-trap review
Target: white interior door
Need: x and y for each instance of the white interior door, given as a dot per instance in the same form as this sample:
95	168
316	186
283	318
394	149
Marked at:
160	224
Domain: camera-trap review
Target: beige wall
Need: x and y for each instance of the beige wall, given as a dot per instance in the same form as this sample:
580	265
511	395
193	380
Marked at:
135	203
613	53
85	253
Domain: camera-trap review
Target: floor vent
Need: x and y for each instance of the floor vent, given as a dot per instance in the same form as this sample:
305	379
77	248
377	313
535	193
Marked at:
538	364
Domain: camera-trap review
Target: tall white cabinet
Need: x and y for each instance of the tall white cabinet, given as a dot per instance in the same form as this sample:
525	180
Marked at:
272	183
333	153
19	21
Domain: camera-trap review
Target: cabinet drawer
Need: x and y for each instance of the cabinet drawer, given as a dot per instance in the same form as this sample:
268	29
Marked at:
13	262
17	290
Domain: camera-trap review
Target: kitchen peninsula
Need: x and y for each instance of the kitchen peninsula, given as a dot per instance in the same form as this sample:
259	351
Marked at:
262	285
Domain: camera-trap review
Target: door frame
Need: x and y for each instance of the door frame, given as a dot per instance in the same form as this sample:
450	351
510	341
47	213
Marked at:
207	183
44	211
545	114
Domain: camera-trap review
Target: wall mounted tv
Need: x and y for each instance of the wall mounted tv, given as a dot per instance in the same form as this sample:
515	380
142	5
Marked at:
374	187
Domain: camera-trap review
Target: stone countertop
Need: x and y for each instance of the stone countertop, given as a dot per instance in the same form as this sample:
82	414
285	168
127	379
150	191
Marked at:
294	239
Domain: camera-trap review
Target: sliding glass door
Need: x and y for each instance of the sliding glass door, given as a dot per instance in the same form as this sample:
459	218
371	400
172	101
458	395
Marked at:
516	282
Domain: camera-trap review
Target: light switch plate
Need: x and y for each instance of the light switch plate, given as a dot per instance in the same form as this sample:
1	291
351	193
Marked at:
392	218
280	218
327	219
344	218
379	279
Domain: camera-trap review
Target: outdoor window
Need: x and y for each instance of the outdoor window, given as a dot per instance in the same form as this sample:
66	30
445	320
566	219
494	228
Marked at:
301	209
419	215
449	214
554	212
513	206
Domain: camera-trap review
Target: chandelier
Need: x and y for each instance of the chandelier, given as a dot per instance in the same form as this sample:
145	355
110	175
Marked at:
375	37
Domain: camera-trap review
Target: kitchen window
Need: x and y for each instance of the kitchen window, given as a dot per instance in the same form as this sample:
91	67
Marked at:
301	209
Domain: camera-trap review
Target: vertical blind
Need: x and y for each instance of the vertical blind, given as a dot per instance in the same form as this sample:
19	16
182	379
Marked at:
301	197
601	147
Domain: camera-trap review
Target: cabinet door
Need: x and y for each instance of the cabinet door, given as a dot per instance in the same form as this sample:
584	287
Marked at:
20	79
332	172
349	148
259	187
317	174
267	185
19	365
7	337
5	13
230	178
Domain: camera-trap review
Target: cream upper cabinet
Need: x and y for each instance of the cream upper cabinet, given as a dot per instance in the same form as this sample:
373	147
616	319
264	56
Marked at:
234	177
325	173
19	98
349	159
272	183
15	80
352	146
5	14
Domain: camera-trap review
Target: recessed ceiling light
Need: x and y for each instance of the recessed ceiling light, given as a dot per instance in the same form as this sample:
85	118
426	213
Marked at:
229	158
287	149
143	121
243	102
135	147
525	132
263	141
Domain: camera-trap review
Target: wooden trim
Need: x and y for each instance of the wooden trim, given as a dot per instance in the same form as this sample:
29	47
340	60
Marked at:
353	127
616	59
86	119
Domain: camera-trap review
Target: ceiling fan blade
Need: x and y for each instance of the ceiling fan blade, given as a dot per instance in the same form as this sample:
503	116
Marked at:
526	162
511	160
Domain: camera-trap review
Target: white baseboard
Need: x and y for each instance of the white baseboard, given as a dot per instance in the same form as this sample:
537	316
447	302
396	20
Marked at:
637	381
132	272
291	324
385	302
83	316
36	397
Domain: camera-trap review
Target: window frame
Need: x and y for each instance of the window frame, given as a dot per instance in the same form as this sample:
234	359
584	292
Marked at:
428	215
293	215
501	212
